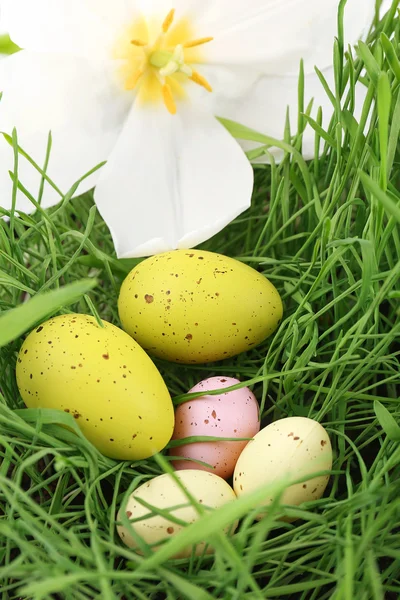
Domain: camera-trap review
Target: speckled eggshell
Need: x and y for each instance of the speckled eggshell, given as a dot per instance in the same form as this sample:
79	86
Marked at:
163	492
191	306
231	414
295	446
102	377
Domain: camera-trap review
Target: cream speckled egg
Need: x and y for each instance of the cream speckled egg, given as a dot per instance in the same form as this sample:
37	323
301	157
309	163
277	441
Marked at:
102	377
295	446
231	415
164	493
191	306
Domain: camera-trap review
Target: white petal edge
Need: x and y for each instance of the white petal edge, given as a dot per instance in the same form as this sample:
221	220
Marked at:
74	101
172	181
274	35
264	109
49	91
66	166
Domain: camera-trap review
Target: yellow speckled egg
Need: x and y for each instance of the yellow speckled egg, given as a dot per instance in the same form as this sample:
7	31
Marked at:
164	493
296	447
191	306
102	377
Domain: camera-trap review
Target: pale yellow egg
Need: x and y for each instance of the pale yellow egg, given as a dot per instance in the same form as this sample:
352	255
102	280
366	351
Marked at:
295	447
164	493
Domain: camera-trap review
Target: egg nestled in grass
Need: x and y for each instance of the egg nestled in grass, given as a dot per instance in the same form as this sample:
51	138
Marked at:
102	377
297	447
231	414
191	306
176	511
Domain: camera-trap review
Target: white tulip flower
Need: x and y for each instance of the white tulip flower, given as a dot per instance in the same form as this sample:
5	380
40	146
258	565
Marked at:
138	83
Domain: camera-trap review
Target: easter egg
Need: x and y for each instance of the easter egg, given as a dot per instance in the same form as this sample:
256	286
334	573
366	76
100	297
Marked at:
230	415
296	447
102	377
191	306
162	492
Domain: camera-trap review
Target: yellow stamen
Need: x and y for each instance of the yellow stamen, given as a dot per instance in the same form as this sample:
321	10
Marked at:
131	82
168	99
158	65
139	43
168	20
198	42
200	80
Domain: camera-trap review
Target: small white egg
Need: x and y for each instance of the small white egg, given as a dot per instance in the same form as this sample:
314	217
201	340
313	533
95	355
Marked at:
296	447
164	493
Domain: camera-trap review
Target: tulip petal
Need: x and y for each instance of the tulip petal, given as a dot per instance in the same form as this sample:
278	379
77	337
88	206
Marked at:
80	108
172	181
65	168
78	27
264	108
275	34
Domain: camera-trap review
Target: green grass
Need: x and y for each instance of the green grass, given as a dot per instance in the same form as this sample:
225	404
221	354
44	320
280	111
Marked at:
326	233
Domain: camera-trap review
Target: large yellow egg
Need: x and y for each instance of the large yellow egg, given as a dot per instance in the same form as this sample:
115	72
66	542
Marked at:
190	306
102	378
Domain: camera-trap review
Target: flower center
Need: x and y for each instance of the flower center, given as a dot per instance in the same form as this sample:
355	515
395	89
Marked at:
159	69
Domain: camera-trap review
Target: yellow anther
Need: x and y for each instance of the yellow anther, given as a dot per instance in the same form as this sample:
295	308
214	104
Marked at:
131	81
198	42
168	20
159	64
200	80
168	99
139	43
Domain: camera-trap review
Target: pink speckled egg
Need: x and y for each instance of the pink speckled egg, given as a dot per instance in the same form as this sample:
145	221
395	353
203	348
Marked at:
230	414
